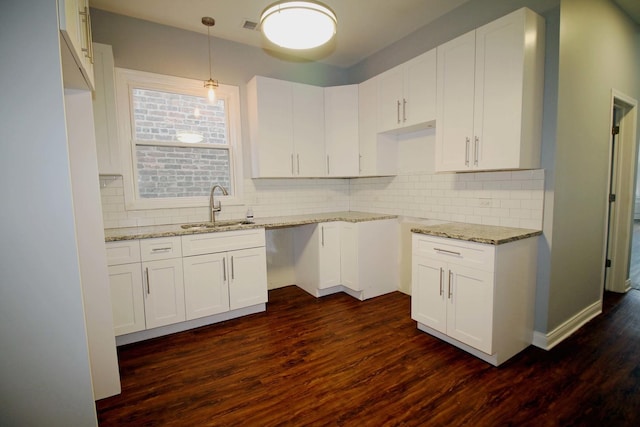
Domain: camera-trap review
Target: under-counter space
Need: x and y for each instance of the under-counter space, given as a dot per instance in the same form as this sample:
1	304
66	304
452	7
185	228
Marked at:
148	232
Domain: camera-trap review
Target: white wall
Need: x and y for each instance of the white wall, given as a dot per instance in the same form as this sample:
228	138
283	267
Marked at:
44	363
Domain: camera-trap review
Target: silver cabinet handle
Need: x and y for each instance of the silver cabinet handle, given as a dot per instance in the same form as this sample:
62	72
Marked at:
476	146
88	51
466	151
450	292
148	287
292	169
322	229
398	111
404	110
298	156
328	166
441	281
233	275
160	249
360	163
224	269
447	252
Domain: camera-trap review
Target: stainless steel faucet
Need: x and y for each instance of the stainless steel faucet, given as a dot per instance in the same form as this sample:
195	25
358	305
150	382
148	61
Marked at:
213	208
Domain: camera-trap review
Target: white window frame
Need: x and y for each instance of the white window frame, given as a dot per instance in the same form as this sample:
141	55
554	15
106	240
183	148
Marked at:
126	80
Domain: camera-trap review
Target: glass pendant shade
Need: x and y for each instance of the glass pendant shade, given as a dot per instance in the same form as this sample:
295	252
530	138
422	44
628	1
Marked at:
298	24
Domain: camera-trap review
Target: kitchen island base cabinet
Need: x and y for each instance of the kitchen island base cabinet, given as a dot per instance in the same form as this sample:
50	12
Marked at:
478	297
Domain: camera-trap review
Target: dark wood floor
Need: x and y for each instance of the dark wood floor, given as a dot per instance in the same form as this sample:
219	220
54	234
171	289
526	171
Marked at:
337	361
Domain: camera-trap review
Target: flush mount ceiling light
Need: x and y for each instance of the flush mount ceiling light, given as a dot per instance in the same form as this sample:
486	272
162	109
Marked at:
210	84
298	24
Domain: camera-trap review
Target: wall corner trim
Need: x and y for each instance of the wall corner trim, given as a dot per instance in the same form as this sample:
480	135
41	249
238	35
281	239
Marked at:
562	332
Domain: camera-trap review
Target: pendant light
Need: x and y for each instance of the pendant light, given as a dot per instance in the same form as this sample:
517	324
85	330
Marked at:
298	24
210	84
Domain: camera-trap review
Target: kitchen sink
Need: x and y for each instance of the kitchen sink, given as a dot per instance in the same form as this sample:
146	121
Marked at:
217	224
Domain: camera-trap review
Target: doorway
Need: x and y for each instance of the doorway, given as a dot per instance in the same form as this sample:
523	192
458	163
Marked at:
622	183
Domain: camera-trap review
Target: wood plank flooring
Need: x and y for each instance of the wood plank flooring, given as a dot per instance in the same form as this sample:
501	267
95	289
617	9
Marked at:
337	361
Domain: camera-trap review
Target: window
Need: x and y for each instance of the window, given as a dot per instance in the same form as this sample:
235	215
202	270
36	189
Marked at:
177	143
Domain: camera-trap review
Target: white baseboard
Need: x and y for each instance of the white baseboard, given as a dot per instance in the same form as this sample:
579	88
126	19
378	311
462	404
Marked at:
559	334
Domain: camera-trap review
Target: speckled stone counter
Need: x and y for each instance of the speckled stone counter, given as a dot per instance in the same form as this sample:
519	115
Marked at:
131	233
489	234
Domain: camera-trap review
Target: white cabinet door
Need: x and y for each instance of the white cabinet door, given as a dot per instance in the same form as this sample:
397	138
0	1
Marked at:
164	292
271	127
429	293
205	285
407	94
490	87
390	100
341	130
419	91
329	268
104	112
349	249
470	307
127	300
247	277
75	27
454	130
308	130
378	153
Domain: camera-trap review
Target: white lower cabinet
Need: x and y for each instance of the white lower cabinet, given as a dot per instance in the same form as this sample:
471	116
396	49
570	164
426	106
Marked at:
359	258
164	292
169	281
224	271
476	296
127	299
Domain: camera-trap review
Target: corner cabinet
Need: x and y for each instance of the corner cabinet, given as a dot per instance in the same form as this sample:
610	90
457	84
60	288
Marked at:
75	27
489	96
407	95
476	296
358	258
286	123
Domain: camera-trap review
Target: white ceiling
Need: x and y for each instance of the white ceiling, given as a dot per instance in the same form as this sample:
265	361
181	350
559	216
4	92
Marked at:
364	26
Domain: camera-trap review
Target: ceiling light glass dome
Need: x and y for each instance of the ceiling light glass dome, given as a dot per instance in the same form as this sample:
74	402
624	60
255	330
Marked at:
298	24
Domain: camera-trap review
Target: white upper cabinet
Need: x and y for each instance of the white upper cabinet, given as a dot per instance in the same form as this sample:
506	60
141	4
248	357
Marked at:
378	153
77	52
341	130
286	122
407	95
489	96
104	112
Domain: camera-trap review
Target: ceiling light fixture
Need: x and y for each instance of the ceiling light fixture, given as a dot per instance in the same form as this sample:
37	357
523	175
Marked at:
210	84
298	24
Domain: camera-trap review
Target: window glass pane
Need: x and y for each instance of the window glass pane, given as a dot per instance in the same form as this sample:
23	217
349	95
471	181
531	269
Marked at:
164	116
181	172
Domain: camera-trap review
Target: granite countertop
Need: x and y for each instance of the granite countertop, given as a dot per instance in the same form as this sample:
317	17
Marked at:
489	234
132	233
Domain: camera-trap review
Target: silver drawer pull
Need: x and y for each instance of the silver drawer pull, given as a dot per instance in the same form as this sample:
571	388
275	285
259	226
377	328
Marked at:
160	249
447	252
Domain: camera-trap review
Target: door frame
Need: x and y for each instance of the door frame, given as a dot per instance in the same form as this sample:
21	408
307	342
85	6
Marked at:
620	225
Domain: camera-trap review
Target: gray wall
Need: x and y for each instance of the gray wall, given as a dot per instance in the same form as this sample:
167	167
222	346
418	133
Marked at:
598	51
44	362
146	46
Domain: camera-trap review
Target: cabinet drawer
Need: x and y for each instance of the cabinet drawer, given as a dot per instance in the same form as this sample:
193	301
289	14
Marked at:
160	248
123	252
208	243
461	252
